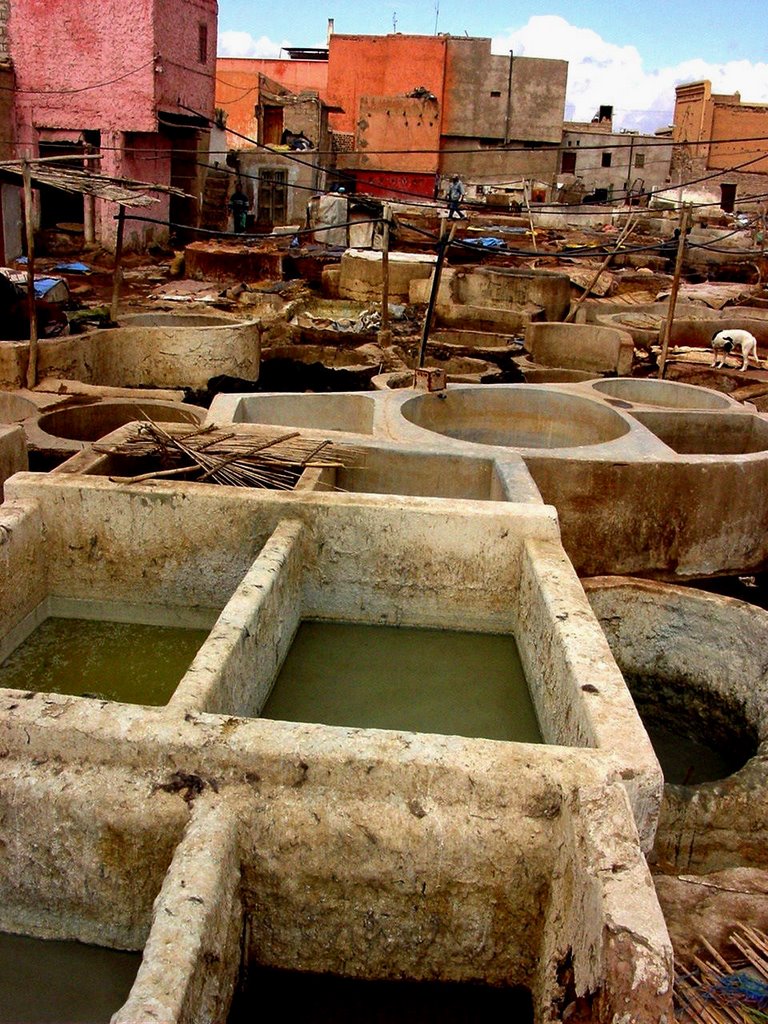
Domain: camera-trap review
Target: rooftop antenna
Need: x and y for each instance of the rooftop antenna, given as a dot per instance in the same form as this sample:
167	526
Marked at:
394	21
437	13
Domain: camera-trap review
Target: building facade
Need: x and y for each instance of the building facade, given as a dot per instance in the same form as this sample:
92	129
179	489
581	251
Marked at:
405	111
131	84
721	139
600	164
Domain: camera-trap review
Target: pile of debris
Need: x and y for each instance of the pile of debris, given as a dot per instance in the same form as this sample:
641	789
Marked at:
719	991
258	458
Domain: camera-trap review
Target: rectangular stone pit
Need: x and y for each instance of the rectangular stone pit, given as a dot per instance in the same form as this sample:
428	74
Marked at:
369	853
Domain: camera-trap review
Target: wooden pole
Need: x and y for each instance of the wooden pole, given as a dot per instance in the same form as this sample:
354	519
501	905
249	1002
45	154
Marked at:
117	277
31	307
530	215
442	249
385	335
667	329
631	221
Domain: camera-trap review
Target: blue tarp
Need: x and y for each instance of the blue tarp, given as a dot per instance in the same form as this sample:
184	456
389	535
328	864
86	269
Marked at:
484	243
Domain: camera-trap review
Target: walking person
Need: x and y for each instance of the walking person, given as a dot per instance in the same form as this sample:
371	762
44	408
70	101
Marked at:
239	204
456	193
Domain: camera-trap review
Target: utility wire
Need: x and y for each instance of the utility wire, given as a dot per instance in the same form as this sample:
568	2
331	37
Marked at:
82	88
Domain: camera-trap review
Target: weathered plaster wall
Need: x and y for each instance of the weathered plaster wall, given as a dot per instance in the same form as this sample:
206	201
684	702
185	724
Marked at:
477	99
59	48
237	86
398	123
145	156
391	65
81	868
642	157
746	121
186	81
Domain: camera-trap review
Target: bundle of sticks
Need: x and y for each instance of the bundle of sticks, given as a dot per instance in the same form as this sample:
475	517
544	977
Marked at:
259	458
720	991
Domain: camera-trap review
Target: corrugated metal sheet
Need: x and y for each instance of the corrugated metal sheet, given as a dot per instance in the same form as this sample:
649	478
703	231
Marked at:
73	179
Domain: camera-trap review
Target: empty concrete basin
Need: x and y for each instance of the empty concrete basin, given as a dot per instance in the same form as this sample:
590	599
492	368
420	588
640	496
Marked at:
348	412
92	421
518	416
661	393
702	433
580	347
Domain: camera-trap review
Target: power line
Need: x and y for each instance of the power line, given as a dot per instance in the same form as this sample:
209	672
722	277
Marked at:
82	88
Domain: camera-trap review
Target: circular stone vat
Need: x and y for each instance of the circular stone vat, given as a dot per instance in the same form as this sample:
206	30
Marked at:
94	420
661	393
183	320
14	408
515	416
695	665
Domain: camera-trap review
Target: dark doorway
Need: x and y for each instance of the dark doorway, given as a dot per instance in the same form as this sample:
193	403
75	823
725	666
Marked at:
727	197
184	175
272	207
272	125
59	209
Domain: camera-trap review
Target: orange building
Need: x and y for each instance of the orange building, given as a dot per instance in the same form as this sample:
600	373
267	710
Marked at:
407	109
237	87
716	132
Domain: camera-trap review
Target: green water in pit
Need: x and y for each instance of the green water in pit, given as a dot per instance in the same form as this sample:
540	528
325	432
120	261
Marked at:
44	981
418	680
123	661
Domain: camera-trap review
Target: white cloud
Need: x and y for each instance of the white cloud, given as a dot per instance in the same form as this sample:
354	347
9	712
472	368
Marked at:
604	73
243	44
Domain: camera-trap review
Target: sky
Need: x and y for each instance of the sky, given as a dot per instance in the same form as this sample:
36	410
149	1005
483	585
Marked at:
630	55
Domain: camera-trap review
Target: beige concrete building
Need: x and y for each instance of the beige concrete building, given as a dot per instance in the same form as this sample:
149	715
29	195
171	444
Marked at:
597	161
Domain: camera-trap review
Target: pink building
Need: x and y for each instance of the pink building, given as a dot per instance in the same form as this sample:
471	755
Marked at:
132	82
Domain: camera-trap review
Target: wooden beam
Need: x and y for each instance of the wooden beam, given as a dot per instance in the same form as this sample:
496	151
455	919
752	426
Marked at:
446	237
31	306
117	275
667	329
385	335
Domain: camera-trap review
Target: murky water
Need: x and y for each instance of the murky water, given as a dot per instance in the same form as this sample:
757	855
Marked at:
43	981
326	999
420	680
686	761
135	664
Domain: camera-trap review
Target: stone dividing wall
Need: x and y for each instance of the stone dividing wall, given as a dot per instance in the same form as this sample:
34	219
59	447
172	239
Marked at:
578	691
13	453
370	852
375	854
491	567
239	662
192	957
